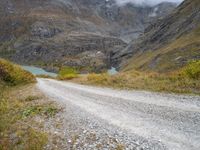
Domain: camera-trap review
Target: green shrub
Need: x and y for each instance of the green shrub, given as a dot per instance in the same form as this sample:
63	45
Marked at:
14	74
67	73
192	70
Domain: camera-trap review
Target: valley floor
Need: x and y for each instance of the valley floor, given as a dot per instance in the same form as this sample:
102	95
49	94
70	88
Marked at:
102	118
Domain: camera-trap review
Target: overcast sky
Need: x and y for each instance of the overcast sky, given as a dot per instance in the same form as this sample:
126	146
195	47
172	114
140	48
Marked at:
146	2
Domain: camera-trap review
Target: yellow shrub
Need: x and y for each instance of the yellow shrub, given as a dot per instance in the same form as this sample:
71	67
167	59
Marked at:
67	73
192	70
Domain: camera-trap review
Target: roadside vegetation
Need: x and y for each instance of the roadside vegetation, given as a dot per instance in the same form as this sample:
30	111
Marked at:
67	73
185	80
18	128
45	76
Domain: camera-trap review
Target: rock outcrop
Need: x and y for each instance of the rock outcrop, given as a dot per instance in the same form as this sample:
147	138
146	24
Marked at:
86	51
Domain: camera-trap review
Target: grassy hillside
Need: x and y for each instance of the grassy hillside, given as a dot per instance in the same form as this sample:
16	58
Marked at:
184	80
13	74
170	57
169	43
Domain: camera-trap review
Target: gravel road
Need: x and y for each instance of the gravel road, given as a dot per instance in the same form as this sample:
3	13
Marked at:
135	119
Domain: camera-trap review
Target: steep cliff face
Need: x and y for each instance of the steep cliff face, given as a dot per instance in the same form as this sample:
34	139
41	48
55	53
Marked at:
71	32
168	43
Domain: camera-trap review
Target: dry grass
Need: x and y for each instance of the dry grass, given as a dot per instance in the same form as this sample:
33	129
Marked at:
120	147
13	74
45	76
18	128
176	82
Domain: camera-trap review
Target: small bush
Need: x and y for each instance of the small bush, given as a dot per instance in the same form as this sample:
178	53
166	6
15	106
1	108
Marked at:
192	70
14	74
67	73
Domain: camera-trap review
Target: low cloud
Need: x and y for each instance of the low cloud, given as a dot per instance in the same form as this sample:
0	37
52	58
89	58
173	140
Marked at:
146	2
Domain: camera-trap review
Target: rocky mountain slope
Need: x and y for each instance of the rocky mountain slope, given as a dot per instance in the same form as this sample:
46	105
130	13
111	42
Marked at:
83	33
167	44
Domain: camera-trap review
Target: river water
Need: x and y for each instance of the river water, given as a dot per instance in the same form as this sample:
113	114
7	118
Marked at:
38	71
112	71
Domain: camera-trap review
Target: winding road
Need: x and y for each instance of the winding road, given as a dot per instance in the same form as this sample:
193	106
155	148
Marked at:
173	120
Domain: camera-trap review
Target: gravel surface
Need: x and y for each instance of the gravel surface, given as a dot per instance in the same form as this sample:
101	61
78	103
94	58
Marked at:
102	118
